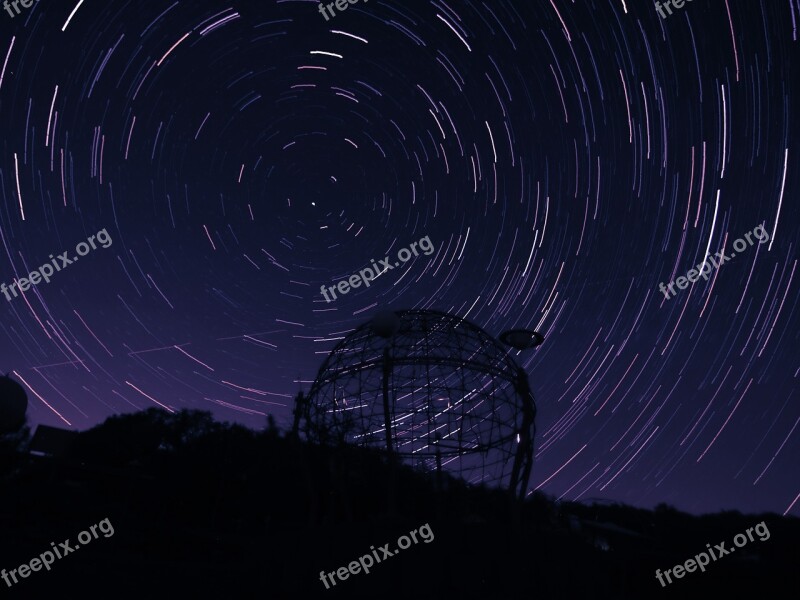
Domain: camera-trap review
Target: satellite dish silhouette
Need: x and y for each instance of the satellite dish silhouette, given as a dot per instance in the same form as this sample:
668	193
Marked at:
522	339
13	405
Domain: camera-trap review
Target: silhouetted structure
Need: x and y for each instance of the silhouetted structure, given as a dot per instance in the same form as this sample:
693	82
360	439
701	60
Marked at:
52	441
13	404
431	389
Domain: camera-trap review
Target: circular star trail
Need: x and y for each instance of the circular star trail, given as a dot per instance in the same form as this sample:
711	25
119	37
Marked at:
563	158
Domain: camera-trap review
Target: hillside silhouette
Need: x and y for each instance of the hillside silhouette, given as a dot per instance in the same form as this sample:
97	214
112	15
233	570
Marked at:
217	510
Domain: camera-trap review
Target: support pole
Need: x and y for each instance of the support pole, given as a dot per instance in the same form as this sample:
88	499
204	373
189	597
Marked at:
387	421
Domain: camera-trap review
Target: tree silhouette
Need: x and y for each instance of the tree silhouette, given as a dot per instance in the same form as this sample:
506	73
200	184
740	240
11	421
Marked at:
142	437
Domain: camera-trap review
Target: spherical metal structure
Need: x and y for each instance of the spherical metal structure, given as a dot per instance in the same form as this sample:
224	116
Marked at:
431	389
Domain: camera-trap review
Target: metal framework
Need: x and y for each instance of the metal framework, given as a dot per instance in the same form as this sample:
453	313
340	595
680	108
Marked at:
438	393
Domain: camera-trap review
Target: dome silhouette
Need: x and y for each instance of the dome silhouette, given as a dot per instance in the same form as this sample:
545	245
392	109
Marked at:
13	405
430	388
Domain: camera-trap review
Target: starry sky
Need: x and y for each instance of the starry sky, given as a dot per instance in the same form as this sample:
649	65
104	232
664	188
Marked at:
564	159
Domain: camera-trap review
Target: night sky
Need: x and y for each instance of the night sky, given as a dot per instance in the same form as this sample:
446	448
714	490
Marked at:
564	158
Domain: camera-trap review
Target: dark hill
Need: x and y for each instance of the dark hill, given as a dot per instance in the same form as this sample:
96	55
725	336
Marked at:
216	510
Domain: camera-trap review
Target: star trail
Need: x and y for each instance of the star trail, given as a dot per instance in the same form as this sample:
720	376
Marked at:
565	157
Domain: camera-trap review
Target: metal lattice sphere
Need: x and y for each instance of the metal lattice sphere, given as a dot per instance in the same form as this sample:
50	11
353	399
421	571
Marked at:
449	395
